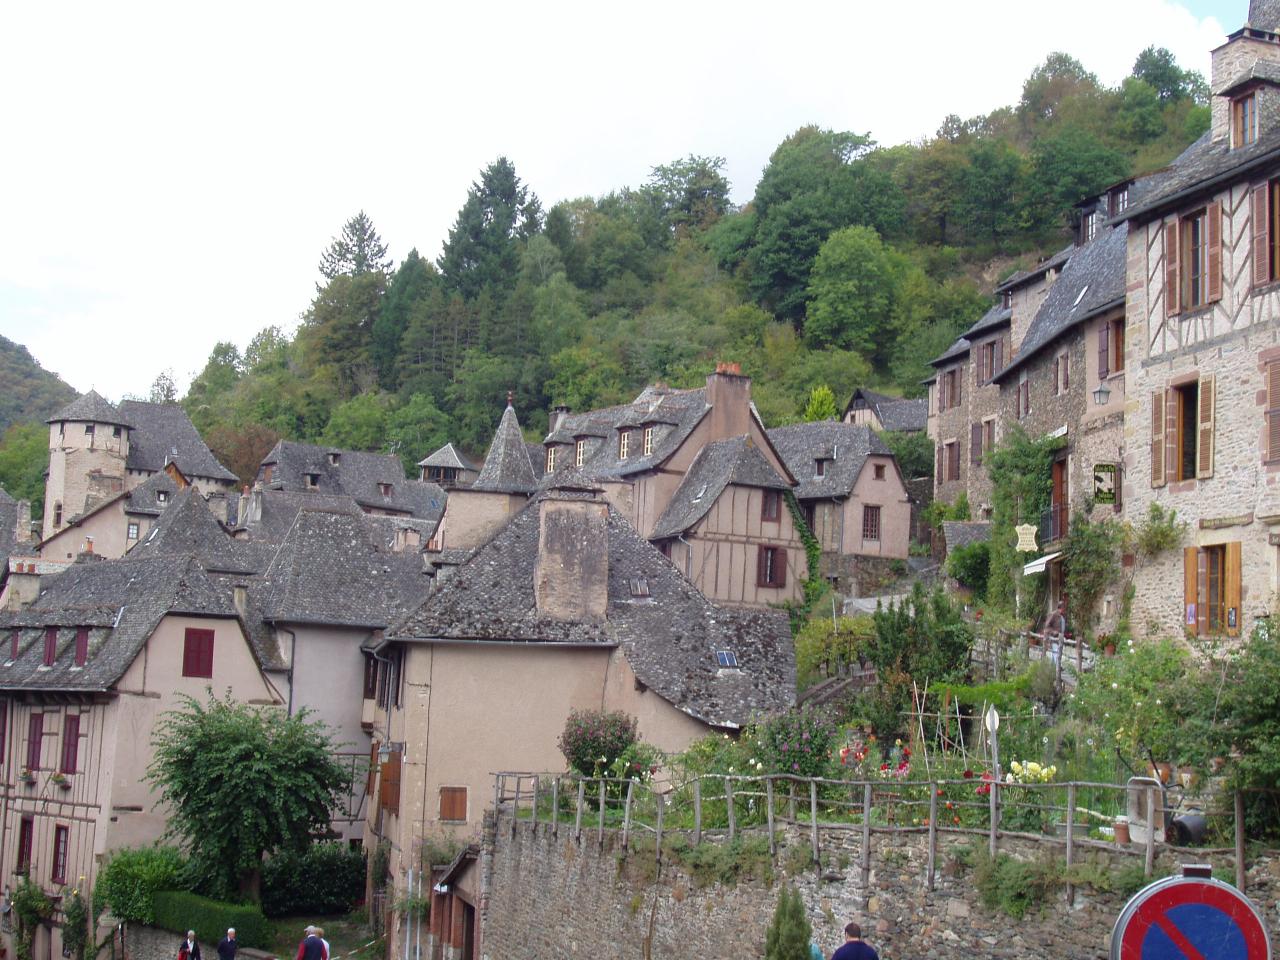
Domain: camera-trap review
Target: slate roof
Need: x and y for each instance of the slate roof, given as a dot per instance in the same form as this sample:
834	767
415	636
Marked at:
279	508
189	527
122	602
163	432
958	349
1263	70
961	533
717	465
91	407
507	467
670	638
1044	266
143	498
846	445
356	474
1202	167
448	456
328	571
673	413
894	413
1092	281
993	318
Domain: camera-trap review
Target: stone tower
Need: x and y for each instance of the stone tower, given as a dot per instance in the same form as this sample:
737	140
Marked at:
88	445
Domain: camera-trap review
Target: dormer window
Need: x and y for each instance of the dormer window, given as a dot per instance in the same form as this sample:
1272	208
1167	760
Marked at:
313	480
384	489
1119	200
162	496
82	646
551	460
1007	301
88	429
15	636
648	441
1244	120
639	587
115	431
624	444
1089	228
770	508
334	458
726	659
579	453
820	467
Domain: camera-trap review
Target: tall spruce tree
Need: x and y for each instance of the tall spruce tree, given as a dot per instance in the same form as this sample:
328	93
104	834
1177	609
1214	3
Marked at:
357	250
410	285
789	935
483	247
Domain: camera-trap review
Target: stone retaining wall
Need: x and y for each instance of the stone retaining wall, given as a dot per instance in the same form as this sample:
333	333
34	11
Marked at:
550	896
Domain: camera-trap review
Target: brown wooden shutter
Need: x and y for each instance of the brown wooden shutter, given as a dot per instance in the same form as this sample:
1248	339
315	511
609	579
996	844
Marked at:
1157	439
1104	349
1231	589
959	385
999	355
1204	426
1190	589
1057	362
1171	305
391	783
373	768
1066	372
954	450
1213	233
975	443
1261	234
781	559
1273	410
1202	593
762	579
941	465
1172	454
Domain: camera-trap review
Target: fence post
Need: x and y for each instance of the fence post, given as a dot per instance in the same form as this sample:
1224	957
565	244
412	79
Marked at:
662	805
813	819
791	800
697	811
600	833
626	817
515	809
933	833
728	799
866	840
1071	831
555	806
537	783
577	817
499	781
1150	860
1240	873
995	815
768	798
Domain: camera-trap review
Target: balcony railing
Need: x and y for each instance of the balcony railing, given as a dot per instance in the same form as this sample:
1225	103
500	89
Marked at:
1053	523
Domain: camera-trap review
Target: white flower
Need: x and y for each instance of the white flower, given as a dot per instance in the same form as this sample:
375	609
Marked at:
1115	686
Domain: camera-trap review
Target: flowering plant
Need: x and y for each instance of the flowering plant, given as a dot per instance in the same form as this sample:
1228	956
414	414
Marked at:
1030	772
797	742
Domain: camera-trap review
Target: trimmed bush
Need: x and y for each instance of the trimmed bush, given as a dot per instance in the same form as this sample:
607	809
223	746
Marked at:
180	911
592	739
327	879
131	879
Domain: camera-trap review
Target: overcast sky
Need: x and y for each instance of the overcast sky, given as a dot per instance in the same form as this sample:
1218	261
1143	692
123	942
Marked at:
171	172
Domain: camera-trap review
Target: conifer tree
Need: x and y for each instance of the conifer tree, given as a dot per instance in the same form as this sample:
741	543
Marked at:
821	405
483	246
358	249
789	935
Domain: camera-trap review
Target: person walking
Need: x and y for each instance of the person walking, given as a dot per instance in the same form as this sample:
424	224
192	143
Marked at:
1055	635
227	945
328	952
854	947
189	948
311	947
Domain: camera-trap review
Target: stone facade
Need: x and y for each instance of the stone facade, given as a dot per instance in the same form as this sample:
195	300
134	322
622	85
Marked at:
544	895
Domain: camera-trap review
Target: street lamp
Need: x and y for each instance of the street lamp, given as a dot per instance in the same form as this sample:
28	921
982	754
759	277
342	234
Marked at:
1102	394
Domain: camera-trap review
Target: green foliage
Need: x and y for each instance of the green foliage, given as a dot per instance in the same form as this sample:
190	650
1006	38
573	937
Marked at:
482	250
914	453
27	392
128	882
727	864
1159	531
593	739
1012	885
797	742
789	934
939	511
821	405
325	879
32	907
971	565
814	585
1022	485
75	925
241	782
180	911
1091	557
24	453
1251	723
359	423
356	250
823	648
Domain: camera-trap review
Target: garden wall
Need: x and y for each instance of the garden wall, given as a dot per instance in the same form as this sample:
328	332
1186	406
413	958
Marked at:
548	896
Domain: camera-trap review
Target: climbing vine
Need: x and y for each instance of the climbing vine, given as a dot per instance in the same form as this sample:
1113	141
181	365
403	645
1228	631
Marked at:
814	585
32	907
1091	556
1022	488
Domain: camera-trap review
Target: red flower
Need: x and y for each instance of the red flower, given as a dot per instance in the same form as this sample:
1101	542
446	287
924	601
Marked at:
968	774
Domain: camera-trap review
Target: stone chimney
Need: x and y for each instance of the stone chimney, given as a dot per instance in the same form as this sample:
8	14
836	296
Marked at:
1249	58
571	574
729	396
240	596
22	531
249	513
24	583
558	413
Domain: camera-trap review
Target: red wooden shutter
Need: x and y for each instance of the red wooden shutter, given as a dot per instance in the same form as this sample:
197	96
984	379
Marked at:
197	653
50	645
391	783
1171	304
58	874
975	443
35	739
1104	349
1204	424
1157	439
82	646
1172	409
70	743
1213	234
999	355
15	637
26	834
1260	214
1273	410
780	566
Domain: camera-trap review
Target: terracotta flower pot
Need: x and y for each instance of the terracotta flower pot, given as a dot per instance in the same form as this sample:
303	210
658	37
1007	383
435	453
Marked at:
1122	829
1110	649
1163	772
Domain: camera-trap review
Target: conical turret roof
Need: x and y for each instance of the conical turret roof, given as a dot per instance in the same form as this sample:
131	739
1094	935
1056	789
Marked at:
507	468
90	407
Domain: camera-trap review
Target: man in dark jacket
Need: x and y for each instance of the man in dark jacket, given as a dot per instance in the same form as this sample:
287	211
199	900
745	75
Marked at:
227	945
189	949
854	948
311	947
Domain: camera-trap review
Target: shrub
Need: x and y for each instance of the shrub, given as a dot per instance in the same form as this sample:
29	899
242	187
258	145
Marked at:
593	739
797	742
180	911
789	934
75	927
971	564
327	878
131	879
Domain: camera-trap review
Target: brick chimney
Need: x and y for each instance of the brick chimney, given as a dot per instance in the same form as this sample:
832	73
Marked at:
729	396
571	574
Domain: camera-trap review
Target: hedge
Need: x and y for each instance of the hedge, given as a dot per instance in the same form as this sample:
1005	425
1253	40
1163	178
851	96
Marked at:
327	879
180	911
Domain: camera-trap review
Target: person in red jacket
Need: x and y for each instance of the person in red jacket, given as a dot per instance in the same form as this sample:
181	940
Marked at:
311	947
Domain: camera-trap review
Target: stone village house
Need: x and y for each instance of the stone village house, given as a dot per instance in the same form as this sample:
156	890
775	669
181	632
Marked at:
565	607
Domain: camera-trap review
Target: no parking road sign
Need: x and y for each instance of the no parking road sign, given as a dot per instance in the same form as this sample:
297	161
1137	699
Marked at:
1190	918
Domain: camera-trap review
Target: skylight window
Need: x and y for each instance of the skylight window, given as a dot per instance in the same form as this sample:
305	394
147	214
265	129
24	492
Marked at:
640	587
1080	295
702	492
726	658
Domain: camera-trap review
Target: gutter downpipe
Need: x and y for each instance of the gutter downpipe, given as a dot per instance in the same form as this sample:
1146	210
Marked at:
293	649
688	556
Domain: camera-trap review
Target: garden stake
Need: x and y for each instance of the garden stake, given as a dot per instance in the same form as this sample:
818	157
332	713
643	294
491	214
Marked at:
1240	876
697	811
662	803
728	799
866	840
813	818
768	793
1071	827
515	811
577	819
555	806
933	832
536	784
626	817
600	835
1149	862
